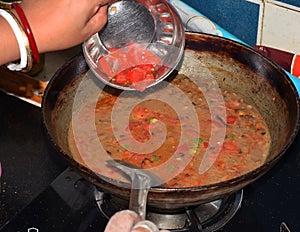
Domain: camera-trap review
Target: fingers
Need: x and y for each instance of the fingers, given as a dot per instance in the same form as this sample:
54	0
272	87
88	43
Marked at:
112	1
146	226
121	221
99	2
128	221
97	21
102	10
103	2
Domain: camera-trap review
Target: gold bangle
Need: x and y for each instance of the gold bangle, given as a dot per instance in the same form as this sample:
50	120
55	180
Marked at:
7	5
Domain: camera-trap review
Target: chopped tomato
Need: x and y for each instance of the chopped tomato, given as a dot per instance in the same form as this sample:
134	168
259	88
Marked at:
230	145
133	66
140	112
142	85
137	159
113	49
149	76
105	67
133	55
205	144
139	55
136	74
120	79
148	57
231	119
126	155
148	67
221	164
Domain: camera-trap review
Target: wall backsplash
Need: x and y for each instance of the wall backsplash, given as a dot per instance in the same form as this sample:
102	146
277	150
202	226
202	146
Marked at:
290	2
257	22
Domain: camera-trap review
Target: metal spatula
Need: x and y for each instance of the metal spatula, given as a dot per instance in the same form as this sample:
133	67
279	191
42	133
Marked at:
141	181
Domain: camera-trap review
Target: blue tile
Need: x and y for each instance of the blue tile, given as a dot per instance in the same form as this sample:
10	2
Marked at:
239	17
291	2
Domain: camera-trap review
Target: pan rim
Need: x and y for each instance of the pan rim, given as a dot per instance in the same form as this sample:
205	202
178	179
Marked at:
261	170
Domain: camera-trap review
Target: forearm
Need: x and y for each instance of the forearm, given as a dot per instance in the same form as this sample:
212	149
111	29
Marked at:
9	49
55	25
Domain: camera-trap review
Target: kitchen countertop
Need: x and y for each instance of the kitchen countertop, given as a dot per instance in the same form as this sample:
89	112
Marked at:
29	162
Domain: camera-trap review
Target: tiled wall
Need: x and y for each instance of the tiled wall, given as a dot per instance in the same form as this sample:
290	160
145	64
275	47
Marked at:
280	26
290	2
262	22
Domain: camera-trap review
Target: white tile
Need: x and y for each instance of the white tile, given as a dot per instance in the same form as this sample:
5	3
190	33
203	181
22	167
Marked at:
280	27
280	3
260	22
255	1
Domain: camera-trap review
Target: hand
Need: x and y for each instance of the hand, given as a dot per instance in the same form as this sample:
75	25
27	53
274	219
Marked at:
61	24
124	221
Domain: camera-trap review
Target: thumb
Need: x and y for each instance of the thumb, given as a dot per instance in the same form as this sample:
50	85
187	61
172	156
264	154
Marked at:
121	221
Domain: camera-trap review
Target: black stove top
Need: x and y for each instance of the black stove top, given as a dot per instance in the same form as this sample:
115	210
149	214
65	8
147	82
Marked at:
40	193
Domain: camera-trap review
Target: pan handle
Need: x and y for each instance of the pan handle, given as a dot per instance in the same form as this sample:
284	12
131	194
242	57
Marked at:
138	200
139	193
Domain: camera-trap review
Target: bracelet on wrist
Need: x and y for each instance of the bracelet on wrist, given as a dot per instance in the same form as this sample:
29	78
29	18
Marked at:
25	51
27	31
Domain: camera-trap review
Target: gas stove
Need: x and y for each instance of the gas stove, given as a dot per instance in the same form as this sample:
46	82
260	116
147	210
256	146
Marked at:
39	192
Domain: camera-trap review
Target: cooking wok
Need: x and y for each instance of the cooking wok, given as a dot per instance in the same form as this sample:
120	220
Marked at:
235	67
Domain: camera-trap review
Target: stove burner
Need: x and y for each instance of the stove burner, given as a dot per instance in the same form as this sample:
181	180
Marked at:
206	217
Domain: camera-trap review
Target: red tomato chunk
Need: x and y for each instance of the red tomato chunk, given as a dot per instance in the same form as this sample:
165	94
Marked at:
133	66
